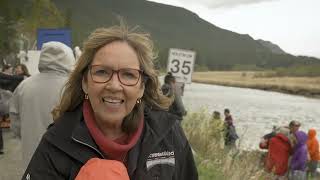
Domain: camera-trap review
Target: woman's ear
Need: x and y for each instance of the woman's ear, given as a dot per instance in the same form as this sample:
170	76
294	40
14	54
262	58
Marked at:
142	90
84	85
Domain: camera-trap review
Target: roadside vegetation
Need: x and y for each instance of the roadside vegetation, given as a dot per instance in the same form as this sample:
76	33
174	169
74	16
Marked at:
212	159
295	81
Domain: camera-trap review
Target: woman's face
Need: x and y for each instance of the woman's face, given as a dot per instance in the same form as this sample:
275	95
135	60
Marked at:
18	70
112	101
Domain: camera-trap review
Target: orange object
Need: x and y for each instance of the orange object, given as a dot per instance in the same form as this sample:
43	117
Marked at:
313	145
5	123
101	169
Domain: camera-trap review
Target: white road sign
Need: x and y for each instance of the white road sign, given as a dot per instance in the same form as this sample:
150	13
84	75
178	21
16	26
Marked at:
180	64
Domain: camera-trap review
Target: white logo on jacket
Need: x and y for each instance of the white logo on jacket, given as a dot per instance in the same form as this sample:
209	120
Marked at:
165	157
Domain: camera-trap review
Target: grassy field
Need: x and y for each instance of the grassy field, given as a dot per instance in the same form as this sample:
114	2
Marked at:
306	86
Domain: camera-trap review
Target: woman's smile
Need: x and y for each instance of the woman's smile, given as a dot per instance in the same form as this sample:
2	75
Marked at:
112	104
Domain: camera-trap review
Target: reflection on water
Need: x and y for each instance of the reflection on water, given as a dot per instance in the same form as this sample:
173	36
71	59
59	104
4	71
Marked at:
254	111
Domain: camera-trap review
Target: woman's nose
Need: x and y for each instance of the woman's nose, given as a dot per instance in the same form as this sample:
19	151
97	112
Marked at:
114	82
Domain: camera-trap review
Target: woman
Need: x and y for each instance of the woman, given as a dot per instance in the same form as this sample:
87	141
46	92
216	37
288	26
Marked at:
22	70
111	108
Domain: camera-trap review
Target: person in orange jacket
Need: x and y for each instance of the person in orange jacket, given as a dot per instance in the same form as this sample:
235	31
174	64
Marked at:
313	149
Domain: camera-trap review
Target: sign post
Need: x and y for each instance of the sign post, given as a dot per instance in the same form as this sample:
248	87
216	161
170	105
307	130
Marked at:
180	64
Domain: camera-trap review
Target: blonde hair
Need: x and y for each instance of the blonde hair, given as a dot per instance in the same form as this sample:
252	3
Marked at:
73	94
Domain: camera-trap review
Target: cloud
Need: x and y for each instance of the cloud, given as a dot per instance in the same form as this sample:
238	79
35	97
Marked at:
213	4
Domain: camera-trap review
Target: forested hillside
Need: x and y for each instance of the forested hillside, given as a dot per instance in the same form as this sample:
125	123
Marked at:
170	27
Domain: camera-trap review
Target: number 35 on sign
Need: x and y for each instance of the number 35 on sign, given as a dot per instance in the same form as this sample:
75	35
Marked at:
180	64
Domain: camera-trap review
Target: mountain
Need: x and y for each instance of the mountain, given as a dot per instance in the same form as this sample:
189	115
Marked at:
175	27
272	47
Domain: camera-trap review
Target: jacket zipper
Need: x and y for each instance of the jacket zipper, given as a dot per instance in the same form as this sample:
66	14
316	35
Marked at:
88	145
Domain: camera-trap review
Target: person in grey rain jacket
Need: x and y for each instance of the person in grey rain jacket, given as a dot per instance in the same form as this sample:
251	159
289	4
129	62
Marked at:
35	97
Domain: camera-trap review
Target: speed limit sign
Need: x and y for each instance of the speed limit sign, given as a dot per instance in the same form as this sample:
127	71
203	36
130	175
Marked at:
180	64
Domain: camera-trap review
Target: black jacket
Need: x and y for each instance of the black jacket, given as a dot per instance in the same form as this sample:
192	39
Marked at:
177	106
68	145
10	82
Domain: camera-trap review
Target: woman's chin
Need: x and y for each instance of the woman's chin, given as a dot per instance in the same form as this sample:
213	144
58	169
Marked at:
111	120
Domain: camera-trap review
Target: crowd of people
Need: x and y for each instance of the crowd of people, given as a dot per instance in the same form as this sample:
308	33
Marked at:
223	129
292	154
10	78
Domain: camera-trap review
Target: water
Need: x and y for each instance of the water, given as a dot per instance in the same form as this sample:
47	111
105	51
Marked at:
254	111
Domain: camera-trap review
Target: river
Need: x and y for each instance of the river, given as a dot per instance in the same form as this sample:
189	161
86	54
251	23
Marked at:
254	111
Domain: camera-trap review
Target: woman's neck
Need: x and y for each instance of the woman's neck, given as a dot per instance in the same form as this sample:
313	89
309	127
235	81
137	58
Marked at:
110	131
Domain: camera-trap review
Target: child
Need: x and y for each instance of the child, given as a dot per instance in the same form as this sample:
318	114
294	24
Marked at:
313	149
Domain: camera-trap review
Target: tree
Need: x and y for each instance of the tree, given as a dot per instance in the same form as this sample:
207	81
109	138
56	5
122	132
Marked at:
9	22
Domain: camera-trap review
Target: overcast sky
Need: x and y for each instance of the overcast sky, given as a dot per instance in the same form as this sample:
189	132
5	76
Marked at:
291	24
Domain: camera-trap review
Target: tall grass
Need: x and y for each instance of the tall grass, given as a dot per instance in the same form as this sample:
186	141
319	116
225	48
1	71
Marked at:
214	161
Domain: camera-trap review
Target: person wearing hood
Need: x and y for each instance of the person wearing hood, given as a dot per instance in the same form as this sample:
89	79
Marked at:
169	89
313	149
35	97
299	157
279	150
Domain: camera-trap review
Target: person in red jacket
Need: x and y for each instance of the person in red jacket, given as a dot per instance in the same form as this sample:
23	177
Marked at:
278	153
313	149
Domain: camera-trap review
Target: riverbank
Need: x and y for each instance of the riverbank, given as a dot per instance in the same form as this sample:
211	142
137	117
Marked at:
213	160
305	86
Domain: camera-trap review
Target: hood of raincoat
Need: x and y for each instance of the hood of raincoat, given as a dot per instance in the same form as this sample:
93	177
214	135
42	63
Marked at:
56	57
301	138
312	133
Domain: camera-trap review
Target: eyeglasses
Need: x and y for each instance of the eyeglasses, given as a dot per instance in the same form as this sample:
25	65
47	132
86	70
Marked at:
126	76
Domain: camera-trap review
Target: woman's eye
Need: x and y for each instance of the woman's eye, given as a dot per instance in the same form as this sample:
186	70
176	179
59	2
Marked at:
101	72
129	75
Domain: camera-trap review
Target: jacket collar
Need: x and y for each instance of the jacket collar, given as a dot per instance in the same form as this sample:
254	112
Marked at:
157	125
70	135
82	135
